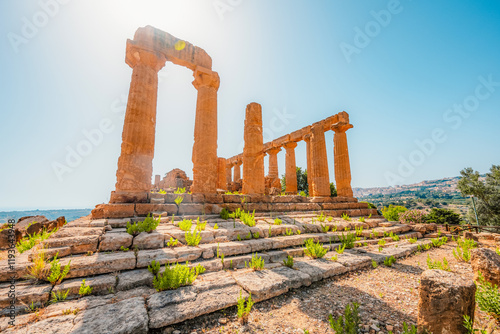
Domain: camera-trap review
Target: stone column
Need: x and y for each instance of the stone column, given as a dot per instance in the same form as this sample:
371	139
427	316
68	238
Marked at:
205	132
341	159
290	171
135	165
221	173
237	171
253	155
307	139
273	162
229	168
319	163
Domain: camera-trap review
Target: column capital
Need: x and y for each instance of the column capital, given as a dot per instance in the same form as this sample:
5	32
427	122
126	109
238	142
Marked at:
290	145
306	137
136	55
273	150
340	127
205	77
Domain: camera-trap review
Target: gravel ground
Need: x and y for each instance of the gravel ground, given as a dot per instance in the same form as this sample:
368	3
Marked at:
388	296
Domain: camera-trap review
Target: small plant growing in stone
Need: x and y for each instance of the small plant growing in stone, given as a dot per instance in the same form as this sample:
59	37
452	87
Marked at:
409	330
58	296
163	192
382	242
334	258
31	308
321	218
389	261
248	218
314	250
298	232
256	235
216	227
244	308
192	238
185	224
288	232
277	221
426	246
412	240
224	214
147	225
438	264
462	251
349	322
346	217
249	236
325	228
172	242
124	249
469	326
497	251
380	249
359	231
236	214
85	289
256	262
362	219
56	275
34	239
348	240
334	228
438	242
488	297
340	249
176	276
178	200
154	267
395	237
374	264
238	237
288	261
180	191
200	226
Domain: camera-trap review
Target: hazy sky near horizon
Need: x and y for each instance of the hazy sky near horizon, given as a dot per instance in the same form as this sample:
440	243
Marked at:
420	80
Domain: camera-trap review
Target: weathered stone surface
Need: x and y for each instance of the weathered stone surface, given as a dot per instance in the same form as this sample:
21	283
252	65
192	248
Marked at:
25	294
78	245
102	284
118	223
114	241
445	298
99	263
69	232
56	325
164	255
190	209
486	262
188	253
234	248
134	278
353	261
113	211
143	209
152	240
169	297
125	317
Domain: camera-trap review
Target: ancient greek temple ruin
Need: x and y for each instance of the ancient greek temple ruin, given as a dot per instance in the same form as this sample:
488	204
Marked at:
134	194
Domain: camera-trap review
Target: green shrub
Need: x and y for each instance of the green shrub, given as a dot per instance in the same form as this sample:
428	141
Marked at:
147	225
224	214
370	205
389	261
412	240
236	214
469	325
437	264
349	322
314	250
185	224
462	251
438	242
340	249
244	308
382	242
409	330
288	231
321	218
176	276
85	289
193	238
324	228
256	263
200	226
391	213
248	218
347	240
374	264
58	296
180	191
277	221
31	240
362	219
178	200
488	297
359	230
288	261
172	242
154	268
442	216
412	217
56	276
346	217
395	237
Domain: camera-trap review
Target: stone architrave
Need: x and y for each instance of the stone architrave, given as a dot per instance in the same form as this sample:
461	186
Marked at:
221	173
237	170
319	164
135	165
253	155
290	169
307	139
341	159
205	132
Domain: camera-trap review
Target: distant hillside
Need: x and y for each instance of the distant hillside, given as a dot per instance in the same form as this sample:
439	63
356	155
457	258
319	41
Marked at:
69	214
442	193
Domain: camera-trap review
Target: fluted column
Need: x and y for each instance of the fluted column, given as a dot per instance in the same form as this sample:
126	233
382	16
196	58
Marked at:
221	173
237	171
341	159
319	162
307	139
205	132
253	155
291	167
135	164
273	162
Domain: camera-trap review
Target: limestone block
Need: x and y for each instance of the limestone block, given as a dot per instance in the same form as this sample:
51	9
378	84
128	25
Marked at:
131	279
101	285
114	241
486	262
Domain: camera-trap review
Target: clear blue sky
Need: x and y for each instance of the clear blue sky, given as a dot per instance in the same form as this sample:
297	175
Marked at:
398	77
